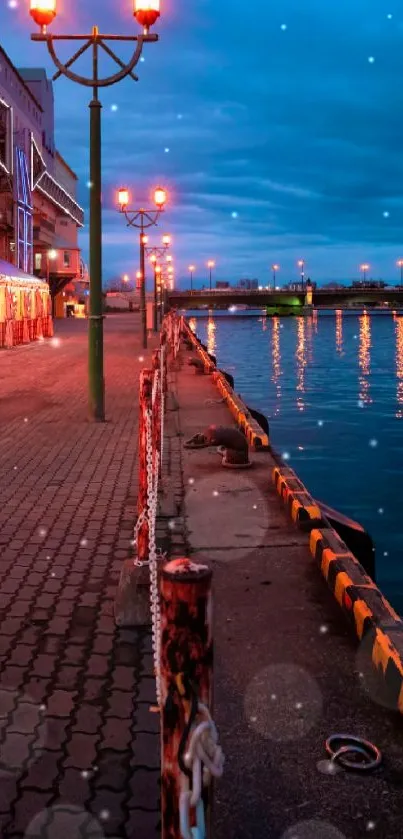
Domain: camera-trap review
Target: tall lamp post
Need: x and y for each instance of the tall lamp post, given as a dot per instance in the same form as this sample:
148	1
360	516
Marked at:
210	266
191	270
142	219
155	253
274	268
301	266
43	13
400	265
364	268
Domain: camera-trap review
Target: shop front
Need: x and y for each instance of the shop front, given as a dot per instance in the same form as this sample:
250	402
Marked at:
25	307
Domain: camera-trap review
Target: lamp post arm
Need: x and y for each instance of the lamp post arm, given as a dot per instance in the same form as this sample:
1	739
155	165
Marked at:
117	59
133	215
94	40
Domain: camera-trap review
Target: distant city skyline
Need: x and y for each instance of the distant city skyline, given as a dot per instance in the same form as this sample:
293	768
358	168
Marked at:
282	147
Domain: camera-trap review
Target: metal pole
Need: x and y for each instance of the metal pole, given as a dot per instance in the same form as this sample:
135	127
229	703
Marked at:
186	673
155	302
210	279
191	281
95	321
274	280
143	307
401	275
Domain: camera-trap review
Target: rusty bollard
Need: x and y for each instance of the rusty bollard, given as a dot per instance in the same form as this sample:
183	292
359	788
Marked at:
186	673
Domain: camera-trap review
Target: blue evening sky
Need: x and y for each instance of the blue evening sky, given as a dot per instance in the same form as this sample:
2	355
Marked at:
278	136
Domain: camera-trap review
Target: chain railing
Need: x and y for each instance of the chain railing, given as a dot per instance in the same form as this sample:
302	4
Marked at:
190	754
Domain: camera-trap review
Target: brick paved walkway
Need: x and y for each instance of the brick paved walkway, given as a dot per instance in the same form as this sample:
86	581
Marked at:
78	746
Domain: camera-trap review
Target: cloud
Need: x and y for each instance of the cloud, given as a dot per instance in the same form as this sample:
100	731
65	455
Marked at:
293	129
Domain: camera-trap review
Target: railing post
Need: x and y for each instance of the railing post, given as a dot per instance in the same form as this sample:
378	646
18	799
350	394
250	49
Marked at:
146	383
186	671
132	597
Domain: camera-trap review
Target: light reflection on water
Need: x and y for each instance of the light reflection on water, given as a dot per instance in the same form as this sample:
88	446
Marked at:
330	383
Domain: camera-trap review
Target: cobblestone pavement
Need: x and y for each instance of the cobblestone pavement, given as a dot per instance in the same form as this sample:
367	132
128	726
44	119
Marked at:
79	750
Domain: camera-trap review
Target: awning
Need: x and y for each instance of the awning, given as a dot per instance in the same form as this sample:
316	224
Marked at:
11	275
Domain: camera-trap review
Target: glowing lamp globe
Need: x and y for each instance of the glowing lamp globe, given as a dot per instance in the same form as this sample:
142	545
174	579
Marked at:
153	259
158	269
123	197
146	12
144	240
43	11
160	197
166	240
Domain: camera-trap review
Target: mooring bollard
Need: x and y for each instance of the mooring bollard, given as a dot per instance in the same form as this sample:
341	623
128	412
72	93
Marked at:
186	681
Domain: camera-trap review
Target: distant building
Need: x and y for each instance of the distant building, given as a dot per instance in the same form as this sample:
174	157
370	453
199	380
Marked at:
221	284
248	285
39	213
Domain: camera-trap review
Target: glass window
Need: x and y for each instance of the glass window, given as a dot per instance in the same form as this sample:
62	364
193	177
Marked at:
38	261
66	259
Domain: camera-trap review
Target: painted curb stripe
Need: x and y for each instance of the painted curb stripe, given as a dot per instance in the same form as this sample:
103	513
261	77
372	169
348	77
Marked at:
374	620
299	504
254	434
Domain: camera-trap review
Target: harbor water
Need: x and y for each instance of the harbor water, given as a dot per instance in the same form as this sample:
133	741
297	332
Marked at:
331	385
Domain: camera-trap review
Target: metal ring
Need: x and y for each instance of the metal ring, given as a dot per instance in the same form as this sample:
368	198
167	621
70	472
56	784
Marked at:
347	743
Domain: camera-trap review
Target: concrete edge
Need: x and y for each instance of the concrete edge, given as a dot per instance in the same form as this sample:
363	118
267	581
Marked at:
366	609
256	437
368	612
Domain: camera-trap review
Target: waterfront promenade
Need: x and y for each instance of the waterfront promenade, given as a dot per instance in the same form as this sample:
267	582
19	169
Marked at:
76	735
78	743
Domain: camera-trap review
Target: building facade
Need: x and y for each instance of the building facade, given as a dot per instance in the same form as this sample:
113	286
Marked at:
39	213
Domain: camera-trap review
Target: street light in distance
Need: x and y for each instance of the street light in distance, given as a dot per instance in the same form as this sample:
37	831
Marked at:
210	266
191	269
274	268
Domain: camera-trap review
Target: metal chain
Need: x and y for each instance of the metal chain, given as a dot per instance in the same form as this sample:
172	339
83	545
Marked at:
162	397
152	501
205	758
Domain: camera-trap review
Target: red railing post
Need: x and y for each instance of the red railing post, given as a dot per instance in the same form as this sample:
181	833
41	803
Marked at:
146	380
186	672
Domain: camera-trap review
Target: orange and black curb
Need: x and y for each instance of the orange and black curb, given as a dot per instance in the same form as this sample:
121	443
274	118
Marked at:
369	613
254	434
302	508
365	607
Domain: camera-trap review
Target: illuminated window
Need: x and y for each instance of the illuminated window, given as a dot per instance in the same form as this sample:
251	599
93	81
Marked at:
66	259
38	261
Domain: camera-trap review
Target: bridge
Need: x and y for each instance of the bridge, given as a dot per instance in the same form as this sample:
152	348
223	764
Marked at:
321	298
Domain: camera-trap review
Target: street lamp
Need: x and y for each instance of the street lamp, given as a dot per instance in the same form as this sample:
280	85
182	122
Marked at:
301	266
210	266
146	13
364	268
400	265
142	219
154	254
191	269
274	268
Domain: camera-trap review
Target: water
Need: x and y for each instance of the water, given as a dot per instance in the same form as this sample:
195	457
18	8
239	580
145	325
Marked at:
331	386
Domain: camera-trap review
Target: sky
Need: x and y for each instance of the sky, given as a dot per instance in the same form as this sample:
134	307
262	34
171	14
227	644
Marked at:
279	137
